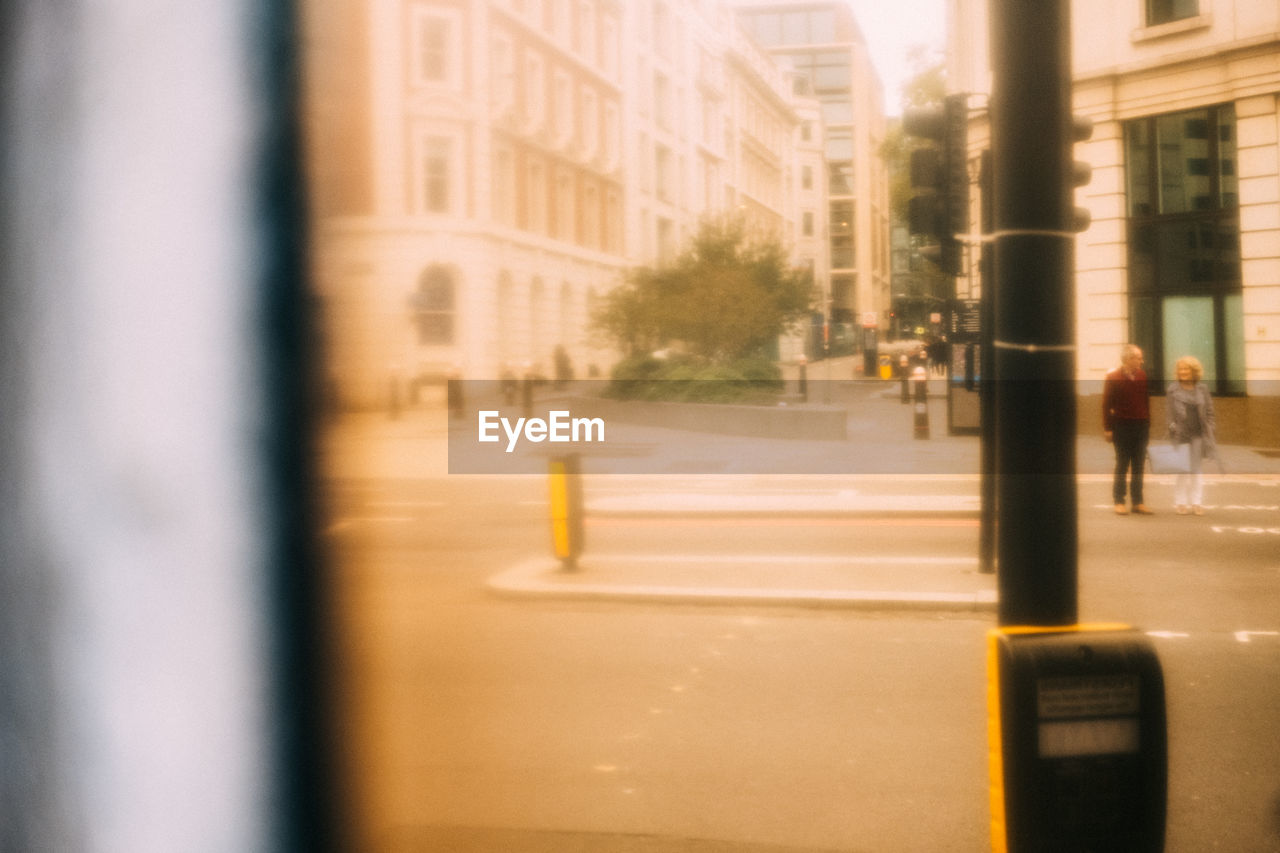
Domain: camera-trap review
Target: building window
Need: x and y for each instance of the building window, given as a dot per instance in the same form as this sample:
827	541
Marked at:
433	306
798	27
536	324
1166	11
536	197
590	216
566	210
1184	244
504	185
435	164
535	89
612	135
840	177
666	240
842	293
806	223
806	177
565	315
504	74
563	101
662	101
589	121
613	222
434	46
841	226
433	55
664	177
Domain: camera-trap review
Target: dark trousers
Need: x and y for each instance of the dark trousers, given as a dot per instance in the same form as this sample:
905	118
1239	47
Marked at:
1130	440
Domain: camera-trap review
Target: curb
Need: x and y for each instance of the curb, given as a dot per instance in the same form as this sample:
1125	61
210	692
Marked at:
529	580
755	506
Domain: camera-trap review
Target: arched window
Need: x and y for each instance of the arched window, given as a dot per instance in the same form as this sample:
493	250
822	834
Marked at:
433	306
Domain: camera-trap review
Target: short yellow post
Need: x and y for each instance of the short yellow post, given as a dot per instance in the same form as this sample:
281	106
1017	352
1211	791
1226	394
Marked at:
566	509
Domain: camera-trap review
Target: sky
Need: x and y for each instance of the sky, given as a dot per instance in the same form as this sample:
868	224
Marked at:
891	27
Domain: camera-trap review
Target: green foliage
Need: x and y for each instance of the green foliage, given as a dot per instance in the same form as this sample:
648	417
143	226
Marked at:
926	88
928	85
728	295
689	379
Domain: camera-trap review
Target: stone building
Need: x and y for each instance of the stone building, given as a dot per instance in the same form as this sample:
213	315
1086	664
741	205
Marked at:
484	171
1182	255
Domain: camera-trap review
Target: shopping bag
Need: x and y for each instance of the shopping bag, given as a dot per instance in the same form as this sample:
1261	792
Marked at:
1169	458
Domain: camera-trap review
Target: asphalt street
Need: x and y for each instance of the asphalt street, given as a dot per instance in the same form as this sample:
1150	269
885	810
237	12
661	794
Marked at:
541	718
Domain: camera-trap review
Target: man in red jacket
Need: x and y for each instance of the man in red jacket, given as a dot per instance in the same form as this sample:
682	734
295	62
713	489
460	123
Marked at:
1126	423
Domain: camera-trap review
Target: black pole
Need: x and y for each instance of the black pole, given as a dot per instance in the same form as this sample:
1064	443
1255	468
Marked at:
986	381
1034	312
309	811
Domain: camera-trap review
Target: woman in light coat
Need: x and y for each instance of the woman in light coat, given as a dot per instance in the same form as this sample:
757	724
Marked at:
1191	421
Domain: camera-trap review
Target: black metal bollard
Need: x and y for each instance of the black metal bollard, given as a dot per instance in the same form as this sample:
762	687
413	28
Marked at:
921	380
804	381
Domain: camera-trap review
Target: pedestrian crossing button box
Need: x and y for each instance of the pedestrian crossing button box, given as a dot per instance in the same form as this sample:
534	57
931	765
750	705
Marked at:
1078	740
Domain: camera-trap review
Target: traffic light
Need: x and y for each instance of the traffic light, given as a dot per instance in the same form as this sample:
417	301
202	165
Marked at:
940	177
1081	172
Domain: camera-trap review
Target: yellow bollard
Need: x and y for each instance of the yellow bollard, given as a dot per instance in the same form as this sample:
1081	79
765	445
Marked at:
566	509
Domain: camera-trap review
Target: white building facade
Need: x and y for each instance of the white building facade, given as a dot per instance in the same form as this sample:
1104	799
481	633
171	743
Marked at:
1183	252
821	41
467	163
485	171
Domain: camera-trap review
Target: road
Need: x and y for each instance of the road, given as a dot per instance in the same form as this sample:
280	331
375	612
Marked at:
477	723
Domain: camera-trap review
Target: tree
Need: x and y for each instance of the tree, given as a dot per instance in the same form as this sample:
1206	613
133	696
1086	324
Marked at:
726	297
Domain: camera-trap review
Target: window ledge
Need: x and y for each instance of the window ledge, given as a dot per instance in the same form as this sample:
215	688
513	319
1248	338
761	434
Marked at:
1173	28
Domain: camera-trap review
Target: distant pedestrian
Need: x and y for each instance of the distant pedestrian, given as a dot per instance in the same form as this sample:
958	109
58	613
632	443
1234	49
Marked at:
938	356
1126	423
1191	422
454	394
508	385
563	366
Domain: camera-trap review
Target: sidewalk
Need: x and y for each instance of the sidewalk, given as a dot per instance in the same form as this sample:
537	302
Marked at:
783	580
880	441
933	479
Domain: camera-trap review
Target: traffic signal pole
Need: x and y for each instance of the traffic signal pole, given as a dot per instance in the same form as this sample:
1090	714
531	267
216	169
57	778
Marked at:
1057	690
986	381
1034	338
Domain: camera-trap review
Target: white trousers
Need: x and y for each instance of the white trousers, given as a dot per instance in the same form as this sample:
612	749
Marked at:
1188	489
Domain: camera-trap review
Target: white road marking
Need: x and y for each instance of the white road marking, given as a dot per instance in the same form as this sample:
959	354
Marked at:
894	560
1246	636
346	523
1251	531
1166	634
